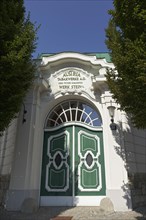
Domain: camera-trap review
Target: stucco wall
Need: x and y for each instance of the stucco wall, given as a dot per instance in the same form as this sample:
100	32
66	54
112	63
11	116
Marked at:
26	169
135	148
7	145
135	144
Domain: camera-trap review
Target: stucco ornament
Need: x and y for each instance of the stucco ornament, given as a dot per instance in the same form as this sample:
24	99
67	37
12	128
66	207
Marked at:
71	81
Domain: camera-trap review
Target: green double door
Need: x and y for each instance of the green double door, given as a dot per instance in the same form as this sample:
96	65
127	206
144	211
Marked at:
72	166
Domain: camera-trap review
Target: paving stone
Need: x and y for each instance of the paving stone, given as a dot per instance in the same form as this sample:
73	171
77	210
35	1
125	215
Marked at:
62	218
78	213
29	205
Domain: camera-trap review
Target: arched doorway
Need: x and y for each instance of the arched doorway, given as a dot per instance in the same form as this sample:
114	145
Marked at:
73	156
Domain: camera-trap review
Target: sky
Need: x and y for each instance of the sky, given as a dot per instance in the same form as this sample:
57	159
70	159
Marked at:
69	25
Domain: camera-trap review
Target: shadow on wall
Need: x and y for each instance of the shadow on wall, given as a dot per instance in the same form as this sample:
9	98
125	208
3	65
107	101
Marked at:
131	147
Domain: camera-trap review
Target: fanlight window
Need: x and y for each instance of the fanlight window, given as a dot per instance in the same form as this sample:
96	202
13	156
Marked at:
70	111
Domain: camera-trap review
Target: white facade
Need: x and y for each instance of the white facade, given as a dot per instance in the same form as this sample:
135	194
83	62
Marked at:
64	77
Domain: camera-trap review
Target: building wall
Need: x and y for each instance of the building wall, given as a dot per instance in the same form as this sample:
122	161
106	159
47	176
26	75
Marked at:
26	170
120	146
25	174
135	160
7	146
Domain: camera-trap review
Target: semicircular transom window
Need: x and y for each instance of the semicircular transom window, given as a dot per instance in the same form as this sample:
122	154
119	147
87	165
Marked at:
73	111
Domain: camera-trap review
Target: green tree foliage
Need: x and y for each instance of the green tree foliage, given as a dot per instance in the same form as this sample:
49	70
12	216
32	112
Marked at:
126	40
17	42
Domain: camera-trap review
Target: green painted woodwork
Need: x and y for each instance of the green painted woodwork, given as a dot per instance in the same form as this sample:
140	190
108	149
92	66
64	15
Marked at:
57	178
73	162
56	175
91	179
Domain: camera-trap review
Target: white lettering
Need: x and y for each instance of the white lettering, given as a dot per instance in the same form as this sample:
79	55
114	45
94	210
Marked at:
71	73
77	87
64	87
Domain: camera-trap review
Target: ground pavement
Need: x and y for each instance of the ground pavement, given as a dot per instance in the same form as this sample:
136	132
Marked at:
78	213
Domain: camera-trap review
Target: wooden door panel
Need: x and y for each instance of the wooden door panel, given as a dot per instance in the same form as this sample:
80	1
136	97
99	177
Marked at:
90	168
56	167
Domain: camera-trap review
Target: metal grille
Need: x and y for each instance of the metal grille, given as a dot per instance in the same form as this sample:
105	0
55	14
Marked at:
73	111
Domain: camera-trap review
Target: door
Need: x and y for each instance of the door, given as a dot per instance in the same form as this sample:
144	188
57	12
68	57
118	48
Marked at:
72	166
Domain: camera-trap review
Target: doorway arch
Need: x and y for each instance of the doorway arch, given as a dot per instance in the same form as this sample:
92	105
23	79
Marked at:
73	156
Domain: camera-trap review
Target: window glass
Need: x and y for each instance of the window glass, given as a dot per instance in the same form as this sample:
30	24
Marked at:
73	111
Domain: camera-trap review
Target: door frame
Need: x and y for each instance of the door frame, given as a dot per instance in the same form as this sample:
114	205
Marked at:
73	200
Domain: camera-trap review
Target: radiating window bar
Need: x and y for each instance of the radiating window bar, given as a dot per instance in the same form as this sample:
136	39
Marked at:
70	111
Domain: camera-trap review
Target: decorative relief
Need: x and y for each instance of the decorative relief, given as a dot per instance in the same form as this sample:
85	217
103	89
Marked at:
70	81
